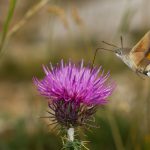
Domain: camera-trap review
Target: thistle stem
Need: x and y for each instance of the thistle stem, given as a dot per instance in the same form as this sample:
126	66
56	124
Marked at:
70	133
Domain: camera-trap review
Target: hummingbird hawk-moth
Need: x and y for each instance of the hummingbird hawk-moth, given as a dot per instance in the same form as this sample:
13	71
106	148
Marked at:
136	58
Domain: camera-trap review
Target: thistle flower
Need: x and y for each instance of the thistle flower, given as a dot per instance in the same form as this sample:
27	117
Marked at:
74	92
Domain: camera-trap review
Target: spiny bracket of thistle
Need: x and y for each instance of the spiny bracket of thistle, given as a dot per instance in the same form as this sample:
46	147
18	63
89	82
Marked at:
71	114
63	116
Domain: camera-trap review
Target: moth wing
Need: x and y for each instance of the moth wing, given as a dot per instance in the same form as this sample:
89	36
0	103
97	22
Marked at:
143	45
141	50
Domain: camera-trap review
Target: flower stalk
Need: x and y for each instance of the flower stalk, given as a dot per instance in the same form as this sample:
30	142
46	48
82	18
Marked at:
69	142
70	133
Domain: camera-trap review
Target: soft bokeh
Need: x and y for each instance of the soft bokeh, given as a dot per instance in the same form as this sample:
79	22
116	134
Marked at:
43	31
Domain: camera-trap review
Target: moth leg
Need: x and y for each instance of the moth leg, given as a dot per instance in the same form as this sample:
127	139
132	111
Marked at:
144	64
139	74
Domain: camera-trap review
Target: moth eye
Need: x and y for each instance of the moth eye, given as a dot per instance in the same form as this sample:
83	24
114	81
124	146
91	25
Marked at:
120	52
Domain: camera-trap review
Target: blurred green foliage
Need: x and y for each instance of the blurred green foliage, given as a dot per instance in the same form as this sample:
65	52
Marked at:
19	138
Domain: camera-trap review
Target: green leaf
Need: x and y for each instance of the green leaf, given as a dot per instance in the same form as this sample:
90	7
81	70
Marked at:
7	23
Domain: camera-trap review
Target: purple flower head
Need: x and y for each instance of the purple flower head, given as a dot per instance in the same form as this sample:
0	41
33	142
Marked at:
74	91
70	82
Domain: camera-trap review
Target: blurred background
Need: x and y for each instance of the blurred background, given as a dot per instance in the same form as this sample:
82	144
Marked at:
37	32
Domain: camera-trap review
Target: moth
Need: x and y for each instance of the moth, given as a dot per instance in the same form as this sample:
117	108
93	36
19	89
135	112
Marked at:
136	58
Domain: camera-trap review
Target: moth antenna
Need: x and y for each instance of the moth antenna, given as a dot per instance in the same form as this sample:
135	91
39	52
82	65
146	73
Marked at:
96	53
121	39
100	48
110	44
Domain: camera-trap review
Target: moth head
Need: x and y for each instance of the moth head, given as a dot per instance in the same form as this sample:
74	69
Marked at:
119	52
